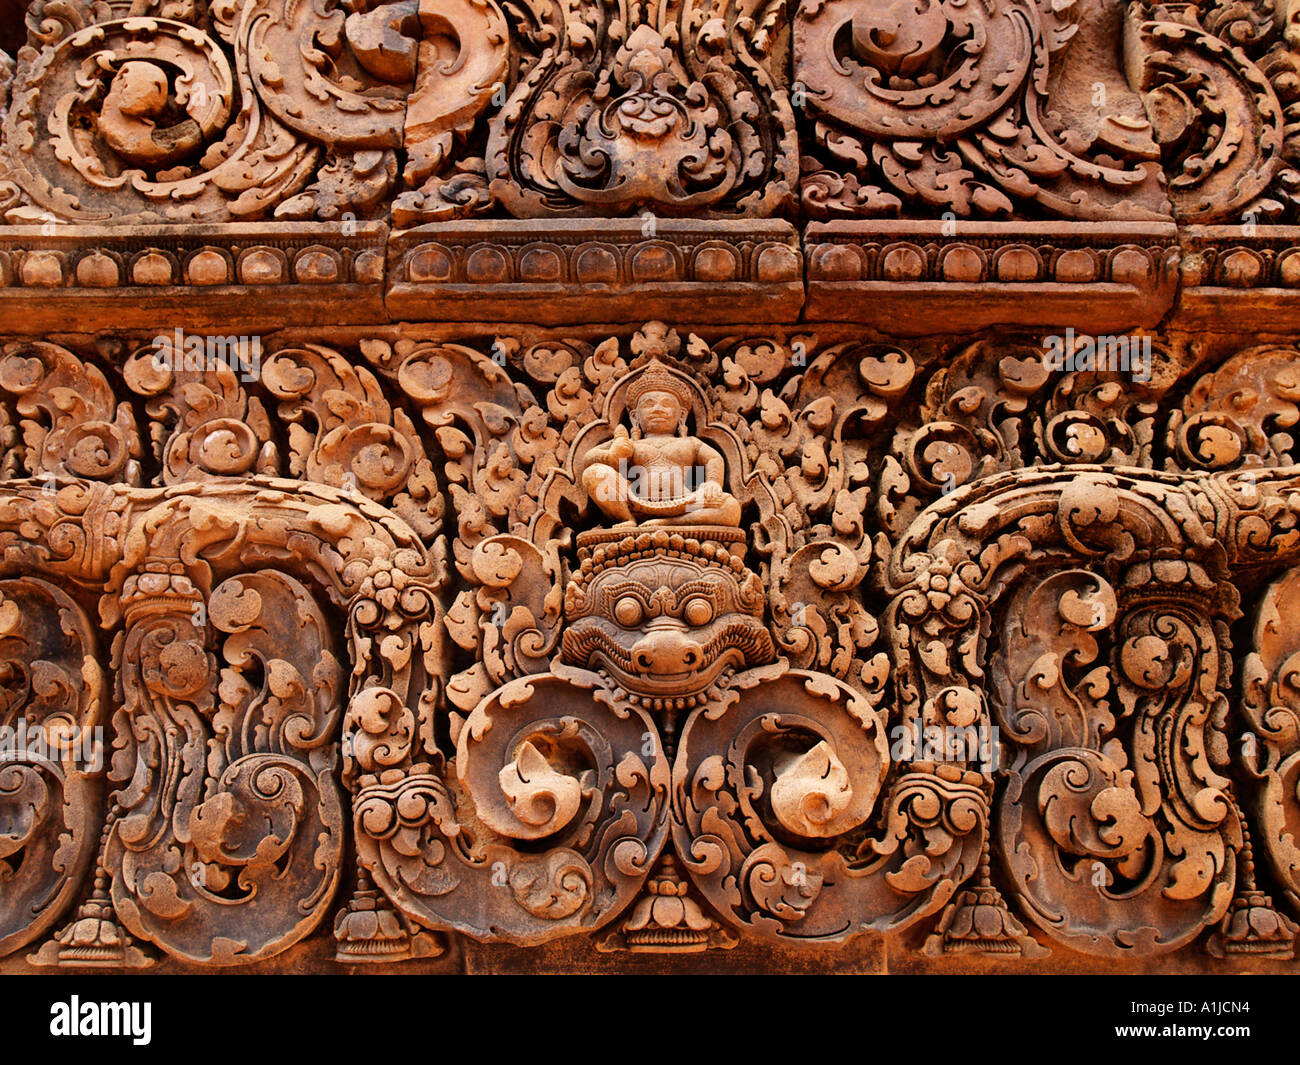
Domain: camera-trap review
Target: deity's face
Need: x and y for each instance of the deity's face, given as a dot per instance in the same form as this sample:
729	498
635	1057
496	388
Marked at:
667	627
658	412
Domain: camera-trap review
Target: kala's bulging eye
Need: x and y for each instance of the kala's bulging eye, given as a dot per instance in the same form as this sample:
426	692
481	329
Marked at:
628	612
698	612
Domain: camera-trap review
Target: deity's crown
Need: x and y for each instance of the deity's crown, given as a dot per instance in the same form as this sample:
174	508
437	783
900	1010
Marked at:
656	377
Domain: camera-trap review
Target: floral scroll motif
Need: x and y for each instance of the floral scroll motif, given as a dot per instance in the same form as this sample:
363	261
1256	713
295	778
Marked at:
949	107
622	636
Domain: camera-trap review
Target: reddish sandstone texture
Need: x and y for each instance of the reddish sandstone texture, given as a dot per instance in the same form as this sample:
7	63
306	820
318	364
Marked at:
647	488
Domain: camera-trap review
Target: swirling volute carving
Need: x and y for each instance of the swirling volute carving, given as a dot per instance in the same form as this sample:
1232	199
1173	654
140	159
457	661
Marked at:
497	446
52	693
545	760
975	420
147	124
1215	114
1117	828
291	107
204	422
223	839
344	432
463	62
1098	417
48	21
946	106
72	422
227	839
569	715
1271	704
487	430
1000	406
1240	416
331	74
776	815
816	440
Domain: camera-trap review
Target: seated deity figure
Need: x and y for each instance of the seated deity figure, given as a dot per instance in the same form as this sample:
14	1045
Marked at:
659	475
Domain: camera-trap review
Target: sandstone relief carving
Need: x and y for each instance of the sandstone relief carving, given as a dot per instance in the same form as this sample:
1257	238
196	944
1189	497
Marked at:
675	721
486	479
950	108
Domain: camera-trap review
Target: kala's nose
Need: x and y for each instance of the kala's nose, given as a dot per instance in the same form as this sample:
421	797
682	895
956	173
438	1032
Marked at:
667	651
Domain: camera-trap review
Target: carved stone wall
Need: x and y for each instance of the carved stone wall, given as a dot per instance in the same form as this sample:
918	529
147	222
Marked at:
725	484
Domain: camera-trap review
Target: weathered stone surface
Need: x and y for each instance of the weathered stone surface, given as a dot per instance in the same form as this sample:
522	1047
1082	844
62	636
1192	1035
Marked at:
496	487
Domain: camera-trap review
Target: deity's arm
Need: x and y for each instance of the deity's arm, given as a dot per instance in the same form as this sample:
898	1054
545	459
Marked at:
605	456
599	456
715	468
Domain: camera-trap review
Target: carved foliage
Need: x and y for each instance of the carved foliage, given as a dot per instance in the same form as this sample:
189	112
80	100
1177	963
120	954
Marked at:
1270	705
1117	827
52	713
663	637
151	118
671	109
71	421
360	442
771	794
1214	112
586	707
946	107
228	839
